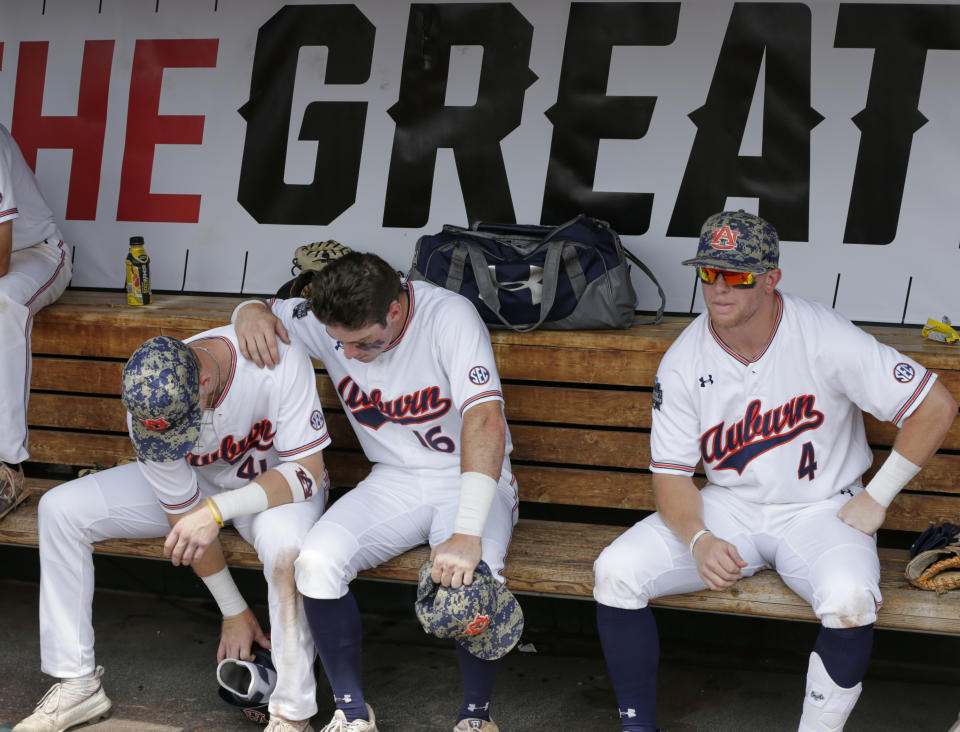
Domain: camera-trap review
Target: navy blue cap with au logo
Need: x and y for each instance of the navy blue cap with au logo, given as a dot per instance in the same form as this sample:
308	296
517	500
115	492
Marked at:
161	390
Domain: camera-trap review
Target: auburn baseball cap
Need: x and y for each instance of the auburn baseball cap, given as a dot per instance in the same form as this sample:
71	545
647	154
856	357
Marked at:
484	617
737	241
161	390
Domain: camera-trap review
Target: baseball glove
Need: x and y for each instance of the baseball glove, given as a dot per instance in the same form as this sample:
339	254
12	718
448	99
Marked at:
935	559
308	260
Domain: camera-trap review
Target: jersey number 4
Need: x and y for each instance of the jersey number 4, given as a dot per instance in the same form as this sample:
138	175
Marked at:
248	468
808	462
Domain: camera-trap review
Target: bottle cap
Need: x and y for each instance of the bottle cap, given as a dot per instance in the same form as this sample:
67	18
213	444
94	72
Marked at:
136	241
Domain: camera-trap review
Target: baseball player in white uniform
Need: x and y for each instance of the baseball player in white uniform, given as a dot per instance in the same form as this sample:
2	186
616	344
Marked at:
216	439
414	369
35	269
767	390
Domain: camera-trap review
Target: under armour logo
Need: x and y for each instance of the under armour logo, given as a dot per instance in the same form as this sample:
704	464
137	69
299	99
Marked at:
477	708
338	346
630	713
846	491
534	283
705	381
816	696
345	699
475	723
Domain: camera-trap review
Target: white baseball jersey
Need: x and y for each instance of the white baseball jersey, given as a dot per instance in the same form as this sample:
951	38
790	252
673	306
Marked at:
787	426
407	405
263	417
20	198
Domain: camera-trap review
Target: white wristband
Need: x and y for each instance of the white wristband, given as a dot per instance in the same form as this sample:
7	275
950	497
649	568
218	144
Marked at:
242	501
476	496
302	483
893	475
236	310
225	592
697	536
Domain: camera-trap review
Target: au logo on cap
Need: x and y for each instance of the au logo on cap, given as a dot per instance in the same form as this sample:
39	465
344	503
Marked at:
724	238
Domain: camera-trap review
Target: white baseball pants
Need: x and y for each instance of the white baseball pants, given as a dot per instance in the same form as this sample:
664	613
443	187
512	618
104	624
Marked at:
832	566
38	276
390	511
118	503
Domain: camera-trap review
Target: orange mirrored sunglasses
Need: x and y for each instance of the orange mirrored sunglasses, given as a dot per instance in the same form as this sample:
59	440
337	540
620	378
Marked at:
742	280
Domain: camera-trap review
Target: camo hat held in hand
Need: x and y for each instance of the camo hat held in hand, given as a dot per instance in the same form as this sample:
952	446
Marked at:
737	241
161	390
484	617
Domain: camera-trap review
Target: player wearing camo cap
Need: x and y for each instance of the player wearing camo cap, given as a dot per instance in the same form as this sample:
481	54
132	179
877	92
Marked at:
217	439
414	369
767	390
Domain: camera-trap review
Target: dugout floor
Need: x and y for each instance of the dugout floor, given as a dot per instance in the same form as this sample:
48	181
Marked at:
718	672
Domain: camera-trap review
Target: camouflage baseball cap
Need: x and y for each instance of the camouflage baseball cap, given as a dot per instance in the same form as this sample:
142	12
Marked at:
484	617
737	241
161	385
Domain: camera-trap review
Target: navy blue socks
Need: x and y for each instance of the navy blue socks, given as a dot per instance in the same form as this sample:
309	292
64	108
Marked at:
845	653
338	636
631	647
478	676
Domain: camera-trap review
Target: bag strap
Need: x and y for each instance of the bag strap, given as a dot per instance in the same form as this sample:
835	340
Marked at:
646	270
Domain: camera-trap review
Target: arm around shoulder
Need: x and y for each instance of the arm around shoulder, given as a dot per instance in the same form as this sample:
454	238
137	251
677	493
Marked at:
257	332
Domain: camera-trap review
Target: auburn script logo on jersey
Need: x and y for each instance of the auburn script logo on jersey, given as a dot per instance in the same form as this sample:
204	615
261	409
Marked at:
231	449
372	411
733	447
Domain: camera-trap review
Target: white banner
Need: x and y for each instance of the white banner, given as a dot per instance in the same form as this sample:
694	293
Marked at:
228	132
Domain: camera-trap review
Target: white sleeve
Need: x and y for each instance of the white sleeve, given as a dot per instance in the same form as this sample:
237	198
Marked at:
8	197
674	444
466	354
301	427
174	483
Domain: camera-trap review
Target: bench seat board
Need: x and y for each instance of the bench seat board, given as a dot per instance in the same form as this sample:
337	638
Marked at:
555	559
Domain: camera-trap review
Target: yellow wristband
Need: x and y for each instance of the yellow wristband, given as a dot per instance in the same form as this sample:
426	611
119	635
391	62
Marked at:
213	509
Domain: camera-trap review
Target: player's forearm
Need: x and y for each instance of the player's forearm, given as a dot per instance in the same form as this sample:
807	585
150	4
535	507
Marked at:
288	482
483	439
679	504
923	431
212	569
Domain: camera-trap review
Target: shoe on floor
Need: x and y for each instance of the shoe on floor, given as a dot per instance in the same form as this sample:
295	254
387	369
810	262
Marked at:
279	724
11	487
339	723
480	725
66	704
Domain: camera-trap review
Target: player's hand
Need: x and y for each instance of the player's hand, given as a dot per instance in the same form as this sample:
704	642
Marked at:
455	559
190	537
238	634
257	332
862	512
718	562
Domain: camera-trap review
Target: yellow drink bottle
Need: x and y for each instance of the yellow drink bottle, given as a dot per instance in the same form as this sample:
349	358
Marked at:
138	273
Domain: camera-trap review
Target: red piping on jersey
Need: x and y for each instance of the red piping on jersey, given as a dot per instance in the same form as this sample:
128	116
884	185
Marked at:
737	356
302	448
671	466
233	368
186	504
406	323
476	397
45	285
912	399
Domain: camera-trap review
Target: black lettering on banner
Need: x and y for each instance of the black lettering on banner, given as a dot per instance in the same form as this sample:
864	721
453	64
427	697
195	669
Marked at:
779	35
337	126
584	114
425	124
901	36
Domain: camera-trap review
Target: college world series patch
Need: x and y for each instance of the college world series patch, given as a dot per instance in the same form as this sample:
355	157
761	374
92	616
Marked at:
657	396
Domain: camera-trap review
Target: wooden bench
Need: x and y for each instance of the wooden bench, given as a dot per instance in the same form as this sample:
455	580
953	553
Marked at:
578	405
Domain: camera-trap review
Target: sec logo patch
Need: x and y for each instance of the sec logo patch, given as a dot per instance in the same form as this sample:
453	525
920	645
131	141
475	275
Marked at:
904	373
316	420
479	375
